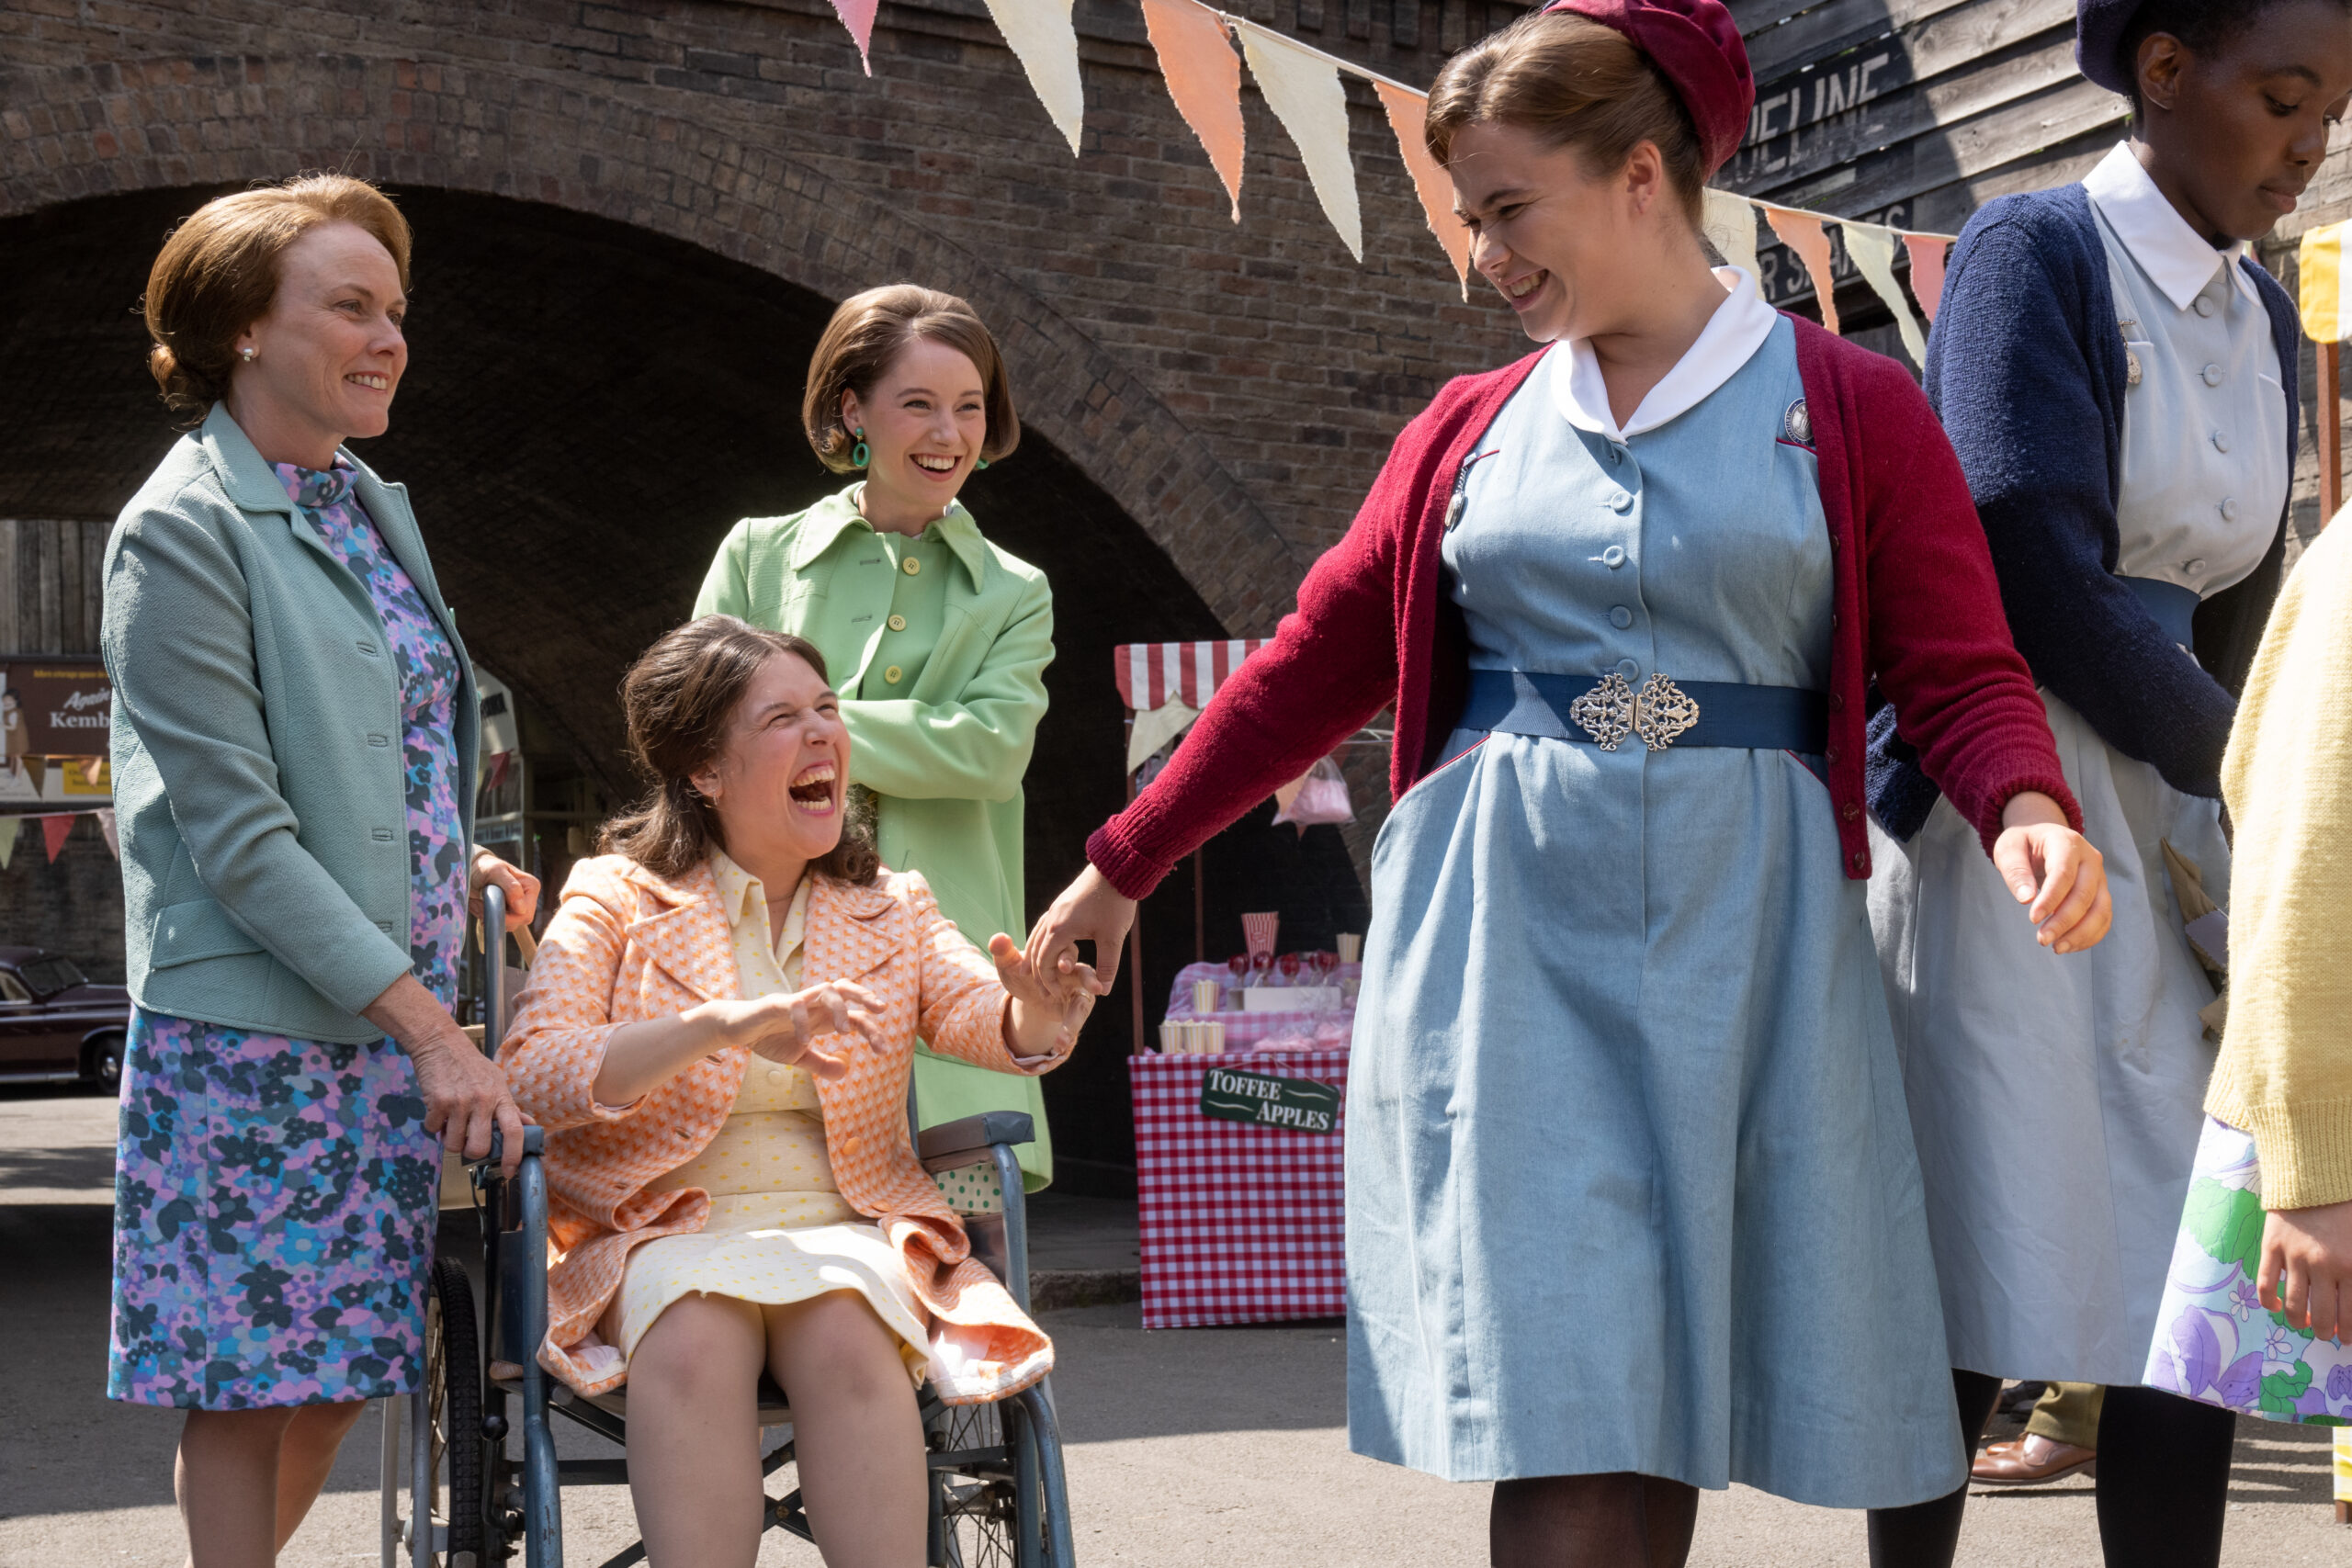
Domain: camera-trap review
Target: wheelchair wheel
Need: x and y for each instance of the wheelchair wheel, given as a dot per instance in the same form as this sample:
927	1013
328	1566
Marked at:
453	1383
977	1502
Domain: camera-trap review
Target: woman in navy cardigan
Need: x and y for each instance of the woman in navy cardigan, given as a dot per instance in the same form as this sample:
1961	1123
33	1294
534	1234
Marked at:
2119	379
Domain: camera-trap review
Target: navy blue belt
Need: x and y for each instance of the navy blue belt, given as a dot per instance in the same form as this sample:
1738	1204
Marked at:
1659	712
2174	607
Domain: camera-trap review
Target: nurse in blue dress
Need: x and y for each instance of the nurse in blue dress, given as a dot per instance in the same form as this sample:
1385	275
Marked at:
1633	1206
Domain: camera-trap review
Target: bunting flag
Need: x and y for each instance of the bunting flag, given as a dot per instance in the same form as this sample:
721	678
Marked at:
1729	221
1872	249
107	830
8	825
1801	232
857	15
1203	76
1927	253
1040	35
54	830
1302	87
1409	118
2320	273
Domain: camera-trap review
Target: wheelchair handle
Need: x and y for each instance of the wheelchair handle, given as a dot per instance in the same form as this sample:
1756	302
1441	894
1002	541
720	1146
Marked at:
494	967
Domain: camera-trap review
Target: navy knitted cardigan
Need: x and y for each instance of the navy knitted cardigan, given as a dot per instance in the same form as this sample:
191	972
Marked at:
2026	367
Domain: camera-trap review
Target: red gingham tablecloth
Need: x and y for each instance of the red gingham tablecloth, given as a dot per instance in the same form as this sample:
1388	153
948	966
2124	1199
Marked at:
1241	1224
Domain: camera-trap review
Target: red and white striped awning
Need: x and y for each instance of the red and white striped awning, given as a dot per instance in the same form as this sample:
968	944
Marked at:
1152	675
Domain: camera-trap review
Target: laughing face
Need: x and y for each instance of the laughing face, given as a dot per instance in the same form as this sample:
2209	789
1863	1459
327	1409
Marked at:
778	784
328	356
1547	230
925	420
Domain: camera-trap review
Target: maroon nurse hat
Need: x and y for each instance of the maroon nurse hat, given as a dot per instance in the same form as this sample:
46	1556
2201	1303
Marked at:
1696	46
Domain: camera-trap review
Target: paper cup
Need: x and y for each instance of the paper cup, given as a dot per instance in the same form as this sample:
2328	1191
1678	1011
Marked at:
1258	930
1208	995
1351	948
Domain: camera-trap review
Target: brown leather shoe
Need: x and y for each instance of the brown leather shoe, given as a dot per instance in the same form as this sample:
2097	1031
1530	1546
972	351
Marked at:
2031	1460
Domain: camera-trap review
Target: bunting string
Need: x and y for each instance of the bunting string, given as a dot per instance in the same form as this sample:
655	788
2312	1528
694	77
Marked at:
1195	44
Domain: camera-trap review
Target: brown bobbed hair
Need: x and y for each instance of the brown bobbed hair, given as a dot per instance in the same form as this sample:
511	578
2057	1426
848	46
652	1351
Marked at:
1574	83
218	273
679	698
865	336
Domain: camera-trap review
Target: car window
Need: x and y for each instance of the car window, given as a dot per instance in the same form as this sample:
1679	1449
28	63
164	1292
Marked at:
49	974
12	989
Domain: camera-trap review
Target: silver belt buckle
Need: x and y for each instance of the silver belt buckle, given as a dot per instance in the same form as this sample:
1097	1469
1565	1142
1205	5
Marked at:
1660	712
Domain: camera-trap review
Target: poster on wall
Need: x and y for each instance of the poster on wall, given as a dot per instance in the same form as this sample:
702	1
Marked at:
55	708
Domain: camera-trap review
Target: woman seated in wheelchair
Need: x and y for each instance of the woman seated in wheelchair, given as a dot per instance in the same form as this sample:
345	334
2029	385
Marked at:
717	1037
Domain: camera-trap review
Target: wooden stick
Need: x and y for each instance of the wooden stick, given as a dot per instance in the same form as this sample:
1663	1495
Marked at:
1200	909
2330	431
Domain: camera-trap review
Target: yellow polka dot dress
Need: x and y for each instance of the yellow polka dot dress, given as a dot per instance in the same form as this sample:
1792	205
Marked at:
779	1230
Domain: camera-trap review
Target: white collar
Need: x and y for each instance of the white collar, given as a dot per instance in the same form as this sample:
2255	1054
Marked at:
2173	255
1729	340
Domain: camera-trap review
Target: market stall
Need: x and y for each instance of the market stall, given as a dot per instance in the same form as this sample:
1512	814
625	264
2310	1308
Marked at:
1238	1092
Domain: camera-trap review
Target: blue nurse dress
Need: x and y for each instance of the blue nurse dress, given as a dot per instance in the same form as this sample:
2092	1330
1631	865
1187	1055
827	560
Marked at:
1631	1181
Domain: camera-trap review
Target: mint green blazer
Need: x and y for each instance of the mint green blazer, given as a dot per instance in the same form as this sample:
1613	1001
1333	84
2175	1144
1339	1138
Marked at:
259	779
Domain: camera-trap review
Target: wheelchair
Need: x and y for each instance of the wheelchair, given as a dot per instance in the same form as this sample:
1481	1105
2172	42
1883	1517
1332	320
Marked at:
484	1477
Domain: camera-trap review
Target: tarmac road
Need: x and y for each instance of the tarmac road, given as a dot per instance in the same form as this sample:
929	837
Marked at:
1187	1447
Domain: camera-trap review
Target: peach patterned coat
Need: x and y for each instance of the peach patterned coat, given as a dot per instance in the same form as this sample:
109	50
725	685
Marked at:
627	945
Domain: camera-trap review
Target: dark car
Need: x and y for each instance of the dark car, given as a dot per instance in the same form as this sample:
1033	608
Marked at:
55	1026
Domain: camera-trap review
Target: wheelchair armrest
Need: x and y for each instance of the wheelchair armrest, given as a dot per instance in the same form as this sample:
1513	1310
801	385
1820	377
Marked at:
972	1134
535	1142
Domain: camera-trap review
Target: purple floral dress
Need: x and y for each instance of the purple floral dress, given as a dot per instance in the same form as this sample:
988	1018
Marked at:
276	1199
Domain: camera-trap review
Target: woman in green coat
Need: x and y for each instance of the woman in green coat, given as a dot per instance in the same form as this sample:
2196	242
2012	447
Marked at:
938	638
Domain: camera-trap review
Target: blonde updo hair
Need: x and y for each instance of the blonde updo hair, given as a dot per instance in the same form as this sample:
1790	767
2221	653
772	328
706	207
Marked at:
218	273
865	336
1573	83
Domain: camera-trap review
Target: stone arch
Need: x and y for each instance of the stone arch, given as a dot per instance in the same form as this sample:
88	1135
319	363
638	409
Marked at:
84	130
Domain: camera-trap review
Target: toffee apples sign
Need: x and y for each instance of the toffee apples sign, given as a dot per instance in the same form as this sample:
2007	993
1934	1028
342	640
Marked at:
1294	1105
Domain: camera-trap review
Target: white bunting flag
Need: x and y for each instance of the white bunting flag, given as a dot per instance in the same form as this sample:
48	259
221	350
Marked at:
106	827
1302	87
1730	223
8	825
1872	249
1040	35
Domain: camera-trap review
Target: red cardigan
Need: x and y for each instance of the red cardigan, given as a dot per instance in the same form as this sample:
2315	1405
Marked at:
1917	610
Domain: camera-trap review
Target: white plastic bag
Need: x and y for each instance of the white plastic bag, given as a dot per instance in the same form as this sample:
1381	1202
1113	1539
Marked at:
1319	795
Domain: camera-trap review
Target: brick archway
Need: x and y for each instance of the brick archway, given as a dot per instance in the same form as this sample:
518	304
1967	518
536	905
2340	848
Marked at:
78	131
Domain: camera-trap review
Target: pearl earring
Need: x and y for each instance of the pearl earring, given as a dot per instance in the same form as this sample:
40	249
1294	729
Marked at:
246	354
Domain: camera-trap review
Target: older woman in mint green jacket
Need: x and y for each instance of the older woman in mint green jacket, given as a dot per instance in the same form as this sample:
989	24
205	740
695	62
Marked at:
939	640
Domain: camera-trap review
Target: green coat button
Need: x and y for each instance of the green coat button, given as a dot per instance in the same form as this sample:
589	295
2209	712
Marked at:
898	623
912	565
893	674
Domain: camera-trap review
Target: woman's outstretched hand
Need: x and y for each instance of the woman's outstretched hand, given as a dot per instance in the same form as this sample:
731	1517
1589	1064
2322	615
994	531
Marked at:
1047	1010
786	1027
1090	910
2056	872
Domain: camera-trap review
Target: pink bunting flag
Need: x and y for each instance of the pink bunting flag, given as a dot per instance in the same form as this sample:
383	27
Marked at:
1802	234
1203	76
54	830
1407	116
1928	252
857	15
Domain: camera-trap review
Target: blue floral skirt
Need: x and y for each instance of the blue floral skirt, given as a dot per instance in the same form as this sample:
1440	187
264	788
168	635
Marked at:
275	1205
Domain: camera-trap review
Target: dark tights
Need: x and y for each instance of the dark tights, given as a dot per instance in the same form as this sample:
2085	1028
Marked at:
2164	1481
1591	1521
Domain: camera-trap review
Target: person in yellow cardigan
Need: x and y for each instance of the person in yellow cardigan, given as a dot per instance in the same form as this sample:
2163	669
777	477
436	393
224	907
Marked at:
938	638
2259	1295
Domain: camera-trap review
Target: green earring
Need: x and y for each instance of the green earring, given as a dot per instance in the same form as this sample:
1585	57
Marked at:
861	454
982	463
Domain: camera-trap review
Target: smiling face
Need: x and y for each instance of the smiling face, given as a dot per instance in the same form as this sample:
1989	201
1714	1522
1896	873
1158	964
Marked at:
777	783
328	356
2234	135
925	422
1553	236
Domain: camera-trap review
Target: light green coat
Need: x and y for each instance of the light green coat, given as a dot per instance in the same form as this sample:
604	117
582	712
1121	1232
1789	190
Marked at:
260	785
942	712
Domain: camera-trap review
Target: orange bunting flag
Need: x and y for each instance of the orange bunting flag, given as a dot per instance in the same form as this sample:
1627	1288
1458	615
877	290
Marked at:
1204	78
54	830
857	15
1801	232
1928	255
1407	113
